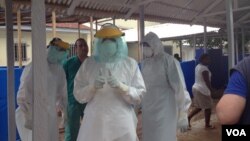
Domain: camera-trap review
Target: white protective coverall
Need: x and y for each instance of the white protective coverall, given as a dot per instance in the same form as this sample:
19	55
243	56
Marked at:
109	114
57	91
166	102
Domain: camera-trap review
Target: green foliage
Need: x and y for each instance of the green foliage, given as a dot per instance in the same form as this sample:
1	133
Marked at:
211	42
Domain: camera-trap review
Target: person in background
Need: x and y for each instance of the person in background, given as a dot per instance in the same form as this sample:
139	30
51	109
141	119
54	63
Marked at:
112	84
57	53
177	57
75	109
202	91
234	106
165	104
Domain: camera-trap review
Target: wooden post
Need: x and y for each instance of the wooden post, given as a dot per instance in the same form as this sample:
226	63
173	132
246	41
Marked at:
91	35
79	30
54	23
19	36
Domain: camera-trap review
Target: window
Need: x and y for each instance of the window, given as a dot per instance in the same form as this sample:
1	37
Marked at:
72	51
24	51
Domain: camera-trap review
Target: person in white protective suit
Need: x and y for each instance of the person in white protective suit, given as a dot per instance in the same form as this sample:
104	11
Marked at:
112	84
57	52
166	102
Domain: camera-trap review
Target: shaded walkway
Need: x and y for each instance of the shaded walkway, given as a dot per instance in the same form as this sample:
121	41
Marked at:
198	132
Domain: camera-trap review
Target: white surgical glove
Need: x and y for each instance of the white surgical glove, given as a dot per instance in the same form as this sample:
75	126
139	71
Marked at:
28	123
182	122
99	81
26	107
114	83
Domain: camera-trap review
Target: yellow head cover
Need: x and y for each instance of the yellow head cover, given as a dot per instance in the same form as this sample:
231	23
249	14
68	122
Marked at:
109	31
62	44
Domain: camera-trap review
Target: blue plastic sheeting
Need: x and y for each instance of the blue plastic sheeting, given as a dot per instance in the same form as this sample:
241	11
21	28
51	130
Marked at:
218	68
3	100
188	69
198	53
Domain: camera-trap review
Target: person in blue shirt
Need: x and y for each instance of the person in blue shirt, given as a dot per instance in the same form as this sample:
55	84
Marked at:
75	109
234	106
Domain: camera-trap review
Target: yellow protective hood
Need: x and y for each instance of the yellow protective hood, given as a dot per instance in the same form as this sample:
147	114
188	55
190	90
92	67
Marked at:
62	44
109	31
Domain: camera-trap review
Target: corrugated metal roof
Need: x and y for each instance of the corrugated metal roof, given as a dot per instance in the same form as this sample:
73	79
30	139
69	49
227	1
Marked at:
172	11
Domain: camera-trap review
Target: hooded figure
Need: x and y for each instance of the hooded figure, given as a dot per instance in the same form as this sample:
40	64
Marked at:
112	84
57	52
166	102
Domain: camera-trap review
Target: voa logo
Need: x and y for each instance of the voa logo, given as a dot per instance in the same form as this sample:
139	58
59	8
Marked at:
236	132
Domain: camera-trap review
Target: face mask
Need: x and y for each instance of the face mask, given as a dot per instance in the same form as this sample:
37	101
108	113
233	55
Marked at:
147	52
108	48
56	56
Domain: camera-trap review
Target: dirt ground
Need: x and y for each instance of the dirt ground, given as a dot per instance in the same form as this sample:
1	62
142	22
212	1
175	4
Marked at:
197	132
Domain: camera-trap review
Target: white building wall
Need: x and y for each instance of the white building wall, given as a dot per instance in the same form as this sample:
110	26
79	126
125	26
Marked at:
188	53
69	37
3	49
133	51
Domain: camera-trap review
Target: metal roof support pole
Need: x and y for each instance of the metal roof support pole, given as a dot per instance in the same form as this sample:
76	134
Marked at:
243	42
141	32
230	33
113	20
41	126
205	35
96	25
180	42
236	6
10	71
194	44
236	47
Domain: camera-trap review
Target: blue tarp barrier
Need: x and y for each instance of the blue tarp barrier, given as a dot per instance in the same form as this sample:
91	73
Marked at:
188	68
218	68
3	100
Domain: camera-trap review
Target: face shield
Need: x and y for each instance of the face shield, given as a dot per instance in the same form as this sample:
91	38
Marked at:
108	47
56	55
57	51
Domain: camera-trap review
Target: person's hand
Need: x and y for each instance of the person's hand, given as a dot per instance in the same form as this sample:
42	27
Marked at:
114	83
182	123
99	81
